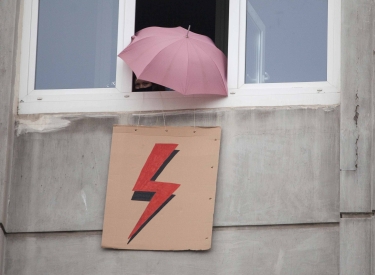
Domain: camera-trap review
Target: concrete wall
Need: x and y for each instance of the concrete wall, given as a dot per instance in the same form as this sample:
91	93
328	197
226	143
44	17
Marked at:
2	249
357	127
355	245
8	26
277	166
285	176
256	250
356	106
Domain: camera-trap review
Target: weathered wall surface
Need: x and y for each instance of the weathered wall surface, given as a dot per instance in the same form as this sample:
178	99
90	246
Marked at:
277	166
356	105
285	250
285	176
355	246
2	251
357	128
8	17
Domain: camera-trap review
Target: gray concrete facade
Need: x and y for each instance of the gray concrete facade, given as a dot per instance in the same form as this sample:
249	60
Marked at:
8	38
286	175
59	178
356	105
355	246
285	250
2	250
8	27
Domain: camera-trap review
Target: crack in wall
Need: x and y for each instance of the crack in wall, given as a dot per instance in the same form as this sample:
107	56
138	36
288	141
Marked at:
356	113
356	116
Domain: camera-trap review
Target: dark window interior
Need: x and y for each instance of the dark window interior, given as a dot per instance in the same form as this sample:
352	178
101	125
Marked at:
207	17
200	14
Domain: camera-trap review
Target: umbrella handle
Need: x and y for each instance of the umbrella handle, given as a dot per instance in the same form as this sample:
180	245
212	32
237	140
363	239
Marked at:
187	35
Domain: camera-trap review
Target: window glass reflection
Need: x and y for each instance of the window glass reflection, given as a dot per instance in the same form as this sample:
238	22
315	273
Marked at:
286	41
77	44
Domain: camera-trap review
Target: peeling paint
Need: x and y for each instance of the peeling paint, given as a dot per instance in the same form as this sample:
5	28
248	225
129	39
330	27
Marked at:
329	108
356	114
43	124
83	195
326	108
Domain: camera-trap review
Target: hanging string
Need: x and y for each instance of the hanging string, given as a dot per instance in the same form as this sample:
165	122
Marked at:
162	104
194	111
194	120
139	113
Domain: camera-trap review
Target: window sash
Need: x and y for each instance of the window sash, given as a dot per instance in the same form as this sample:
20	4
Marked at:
29	49
237	48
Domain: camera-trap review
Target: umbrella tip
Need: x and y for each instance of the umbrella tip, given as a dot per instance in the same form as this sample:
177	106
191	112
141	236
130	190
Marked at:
187	34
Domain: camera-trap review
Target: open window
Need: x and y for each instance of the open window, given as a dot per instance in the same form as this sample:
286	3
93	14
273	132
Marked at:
204	17
68	52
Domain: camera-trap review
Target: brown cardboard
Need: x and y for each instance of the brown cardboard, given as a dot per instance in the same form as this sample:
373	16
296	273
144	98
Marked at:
185	222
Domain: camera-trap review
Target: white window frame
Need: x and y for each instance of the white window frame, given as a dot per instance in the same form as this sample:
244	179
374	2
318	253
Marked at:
261	47
122	99
330	89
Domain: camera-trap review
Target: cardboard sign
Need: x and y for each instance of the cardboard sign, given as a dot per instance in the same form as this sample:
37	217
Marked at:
161	188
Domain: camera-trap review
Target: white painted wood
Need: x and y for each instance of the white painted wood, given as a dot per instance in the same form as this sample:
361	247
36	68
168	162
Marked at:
125	30
241	44
334	44
276	250
247	9
233	42
26	13
33	46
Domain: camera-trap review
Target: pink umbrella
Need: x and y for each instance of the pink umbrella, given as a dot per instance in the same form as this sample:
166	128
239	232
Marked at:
184	61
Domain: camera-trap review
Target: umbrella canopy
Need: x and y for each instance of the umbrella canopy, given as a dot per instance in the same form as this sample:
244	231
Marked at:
184	61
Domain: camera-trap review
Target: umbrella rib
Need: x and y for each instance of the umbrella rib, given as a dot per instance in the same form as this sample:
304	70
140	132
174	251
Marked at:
187	70
173	57
200	50
200	61
145	68
217	67
132	45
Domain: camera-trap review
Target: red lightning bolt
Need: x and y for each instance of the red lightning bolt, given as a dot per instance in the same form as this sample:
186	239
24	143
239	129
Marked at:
161	192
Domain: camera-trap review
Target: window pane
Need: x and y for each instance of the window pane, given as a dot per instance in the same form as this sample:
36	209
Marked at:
286	41
77	44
